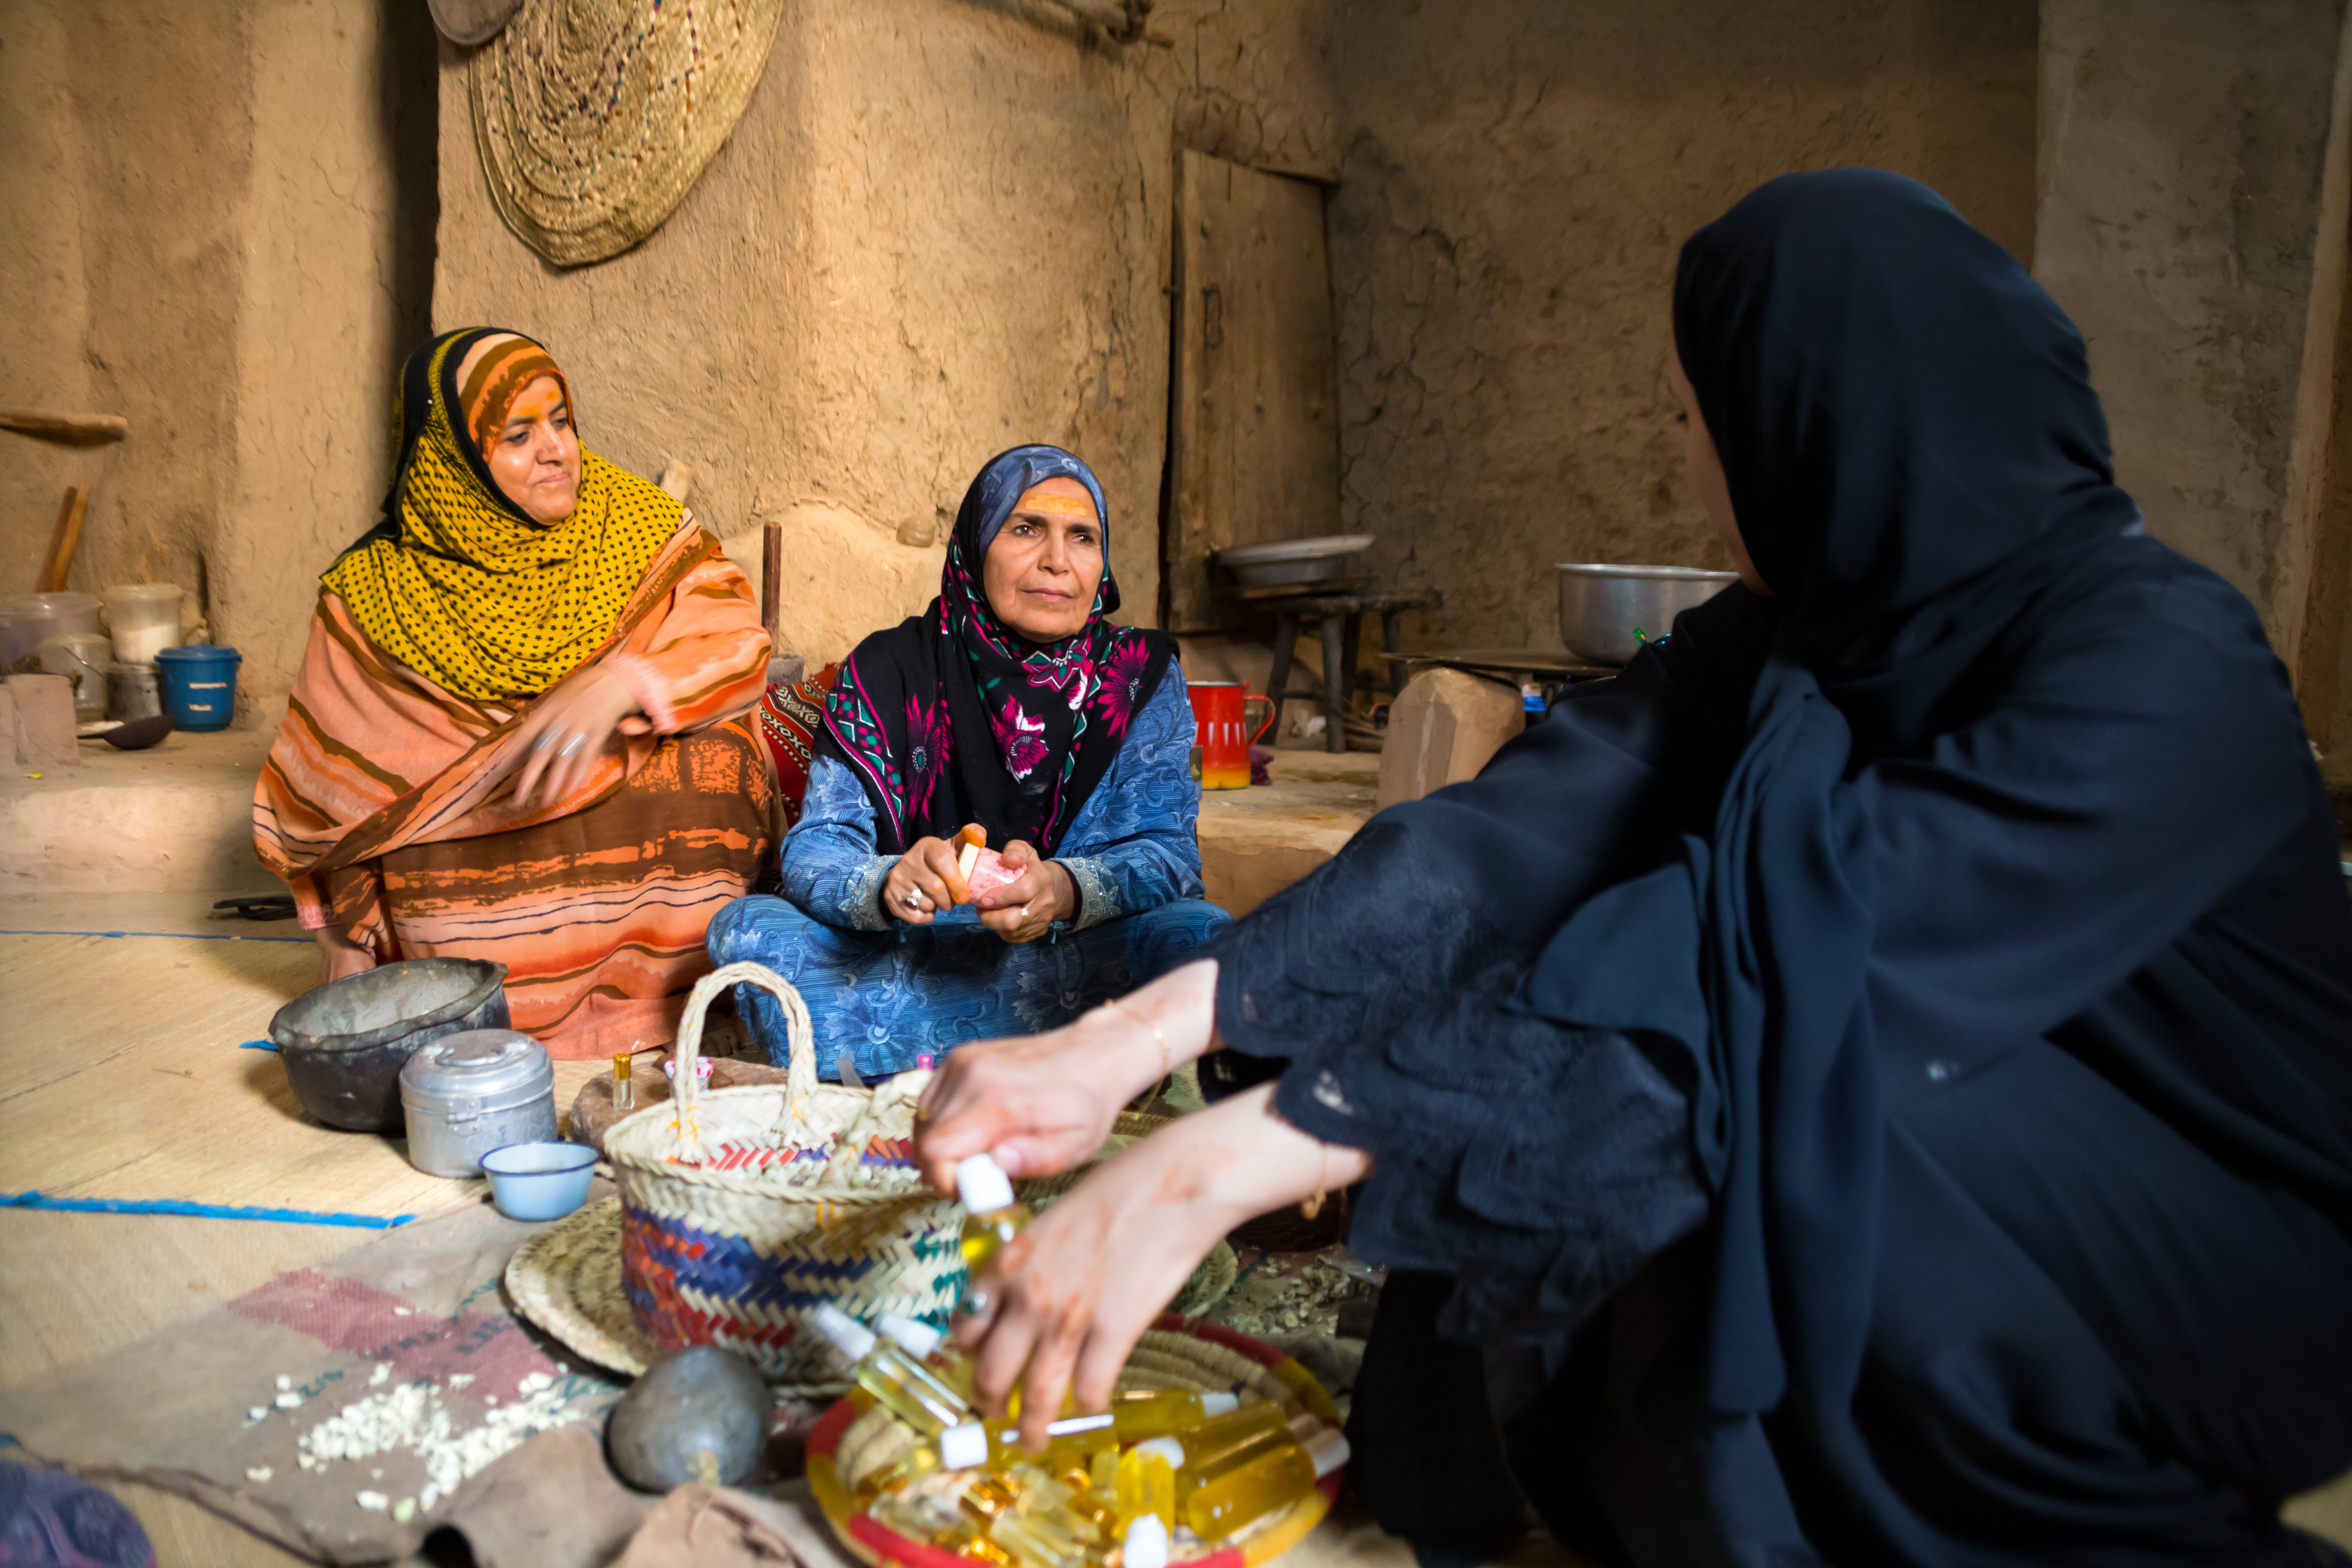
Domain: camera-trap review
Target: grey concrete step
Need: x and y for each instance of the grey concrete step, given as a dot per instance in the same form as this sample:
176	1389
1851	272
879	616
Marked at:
177	817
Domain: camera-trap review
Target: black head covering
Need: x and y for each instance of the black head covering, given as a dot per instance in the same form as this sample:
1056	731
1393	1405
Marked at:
1906	423
953	717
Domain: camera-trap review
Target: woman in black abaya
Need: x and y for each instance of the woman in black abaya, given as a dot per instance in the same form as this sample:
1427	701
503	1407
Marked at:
1872	1083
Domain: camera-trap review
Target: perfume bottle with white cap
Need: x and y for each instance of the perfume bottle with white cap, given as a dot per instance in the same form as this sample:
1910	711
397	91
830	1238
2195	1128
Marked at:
898	1380
992	1214
1233	1495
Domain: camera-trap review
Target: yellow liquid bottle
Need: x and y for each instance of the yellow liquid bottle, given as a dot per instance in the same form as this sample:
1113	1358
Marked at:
956	1534
898	1381
992	1217
1159	1412
1225	1502
1217	1439
950	1365
1072	1440
1143	1487
1023	1512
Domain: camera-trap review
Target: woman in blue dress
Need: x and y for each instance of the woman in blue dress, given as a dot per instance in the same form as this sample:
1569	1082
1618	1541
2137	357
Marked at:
1013	705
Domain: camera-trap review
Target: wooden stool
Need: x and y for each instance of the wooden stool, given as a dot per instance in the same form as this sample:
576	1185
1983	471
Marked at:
1342	639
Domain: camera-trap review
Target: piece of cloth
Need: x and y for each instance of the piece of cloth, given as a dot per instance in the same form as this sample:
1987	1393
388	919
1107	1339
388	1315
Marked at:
460	585
1976	896
951	716
49	1519
598	916
414	1399
889	997
790	718
887	991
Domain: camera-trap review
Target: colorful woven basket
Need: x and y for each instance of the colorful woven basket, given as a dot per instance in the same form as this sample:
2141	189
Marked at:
855	1437
743	1210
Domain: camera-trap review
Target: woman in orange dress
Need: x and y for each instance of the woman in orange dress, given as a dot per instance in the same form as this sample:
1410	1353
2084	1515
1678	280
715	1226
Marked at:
519	732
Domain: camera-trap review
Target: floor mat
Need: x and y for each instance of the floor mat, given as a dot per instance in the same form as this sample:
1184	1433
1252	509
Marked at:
346	1409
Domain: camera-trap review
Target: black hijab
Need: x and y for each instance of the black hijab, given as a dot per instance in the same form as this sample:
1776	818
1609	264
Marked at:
1974	895
953	717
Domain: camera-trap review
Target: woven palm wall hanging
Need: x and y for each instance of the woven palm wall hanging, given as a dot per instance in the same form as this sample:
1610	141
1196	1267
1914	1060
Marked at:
594	116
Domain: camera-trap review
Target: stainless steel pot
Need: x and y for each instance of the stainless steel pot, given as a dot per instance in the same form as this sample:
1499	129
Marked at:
1607	612
466	1094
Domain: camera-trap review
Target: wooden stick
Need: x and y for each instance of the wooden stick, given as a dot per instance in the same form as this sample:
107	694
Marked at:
74	429
64	543
771	576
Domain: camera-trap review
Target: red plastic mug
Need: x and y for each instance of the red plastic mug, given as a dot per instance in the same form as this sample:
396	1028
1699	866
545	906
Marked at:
1221	711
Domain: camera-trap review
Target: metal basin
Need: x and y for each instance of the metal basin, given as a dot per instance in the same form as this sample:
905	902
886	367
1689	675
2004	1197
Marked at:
1295	566
344	1044
1607	612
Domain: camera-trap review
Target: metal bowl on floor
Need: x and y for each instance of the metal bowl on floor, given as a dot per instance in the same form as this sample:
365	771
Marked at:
1607	612
345	1043
1323	565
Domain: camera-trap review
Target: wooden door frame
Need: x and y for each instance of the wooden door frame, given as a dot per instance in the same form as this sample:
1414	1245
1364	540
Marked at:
1178	295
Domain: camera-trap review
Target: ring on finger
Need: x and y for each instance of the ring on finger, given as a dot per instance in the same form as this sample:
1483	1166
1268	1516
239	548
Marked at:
975	1304
573	745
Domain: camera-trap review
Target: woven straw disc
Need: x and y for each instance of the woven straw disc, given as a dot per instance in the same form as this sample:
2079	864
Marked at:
567	1280
594	116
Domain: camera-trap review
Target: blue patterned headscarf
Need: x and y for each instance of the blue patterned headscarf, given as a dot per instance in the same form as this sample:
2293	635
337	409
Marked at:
953	717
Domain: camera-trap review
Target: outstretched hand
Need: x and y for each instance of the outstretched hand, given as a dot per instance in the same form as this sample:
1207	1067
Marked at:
1042	1104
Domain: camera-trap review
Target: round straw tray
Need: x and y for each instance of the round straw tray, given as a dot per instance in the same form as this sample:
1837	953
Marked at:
1177	1352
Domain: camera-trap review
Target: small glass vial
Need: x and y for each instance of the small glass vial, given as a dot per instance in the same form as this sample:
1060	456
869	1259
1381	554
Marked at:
1225	1502
898	1381
623	1092
1073	1440
1156	1413
1219	1439
1024	1514
993	1216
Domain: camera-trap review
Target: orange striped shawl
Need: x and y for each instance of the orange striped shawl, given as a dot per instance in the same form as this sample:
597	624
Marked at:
373	757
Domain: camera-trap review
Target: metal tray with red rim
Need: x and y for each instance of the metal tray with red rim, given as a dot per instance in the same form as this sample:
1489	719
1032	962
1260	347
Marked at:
871	1543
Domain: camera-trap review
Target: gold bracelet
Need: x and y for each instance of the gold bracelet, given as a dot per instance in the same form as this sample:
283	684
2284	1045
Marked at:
1314	1205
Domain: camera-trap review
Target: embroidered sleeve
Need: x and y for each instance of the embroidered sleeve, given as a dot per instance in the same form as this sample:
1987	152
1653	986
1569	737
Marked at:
1133	846
831	871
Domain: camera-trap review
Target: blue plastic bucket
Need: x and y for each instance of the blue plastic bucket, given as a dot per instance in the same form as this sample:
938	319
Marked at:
199	685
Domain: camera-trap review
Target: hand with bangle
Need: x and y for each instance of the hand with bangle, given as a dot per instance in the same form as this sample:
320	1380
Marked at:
1066	1301
1042	1104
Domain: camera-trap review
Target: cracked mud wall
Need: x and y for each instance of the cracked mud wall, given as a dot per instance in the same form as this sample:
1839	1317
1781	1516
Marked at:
941	229
2182	158
211	229
1517	181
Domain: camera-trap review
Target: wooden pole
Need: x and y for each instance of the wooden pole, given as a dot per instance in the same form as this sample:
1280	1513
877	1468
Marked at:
74	429
64	541
772	579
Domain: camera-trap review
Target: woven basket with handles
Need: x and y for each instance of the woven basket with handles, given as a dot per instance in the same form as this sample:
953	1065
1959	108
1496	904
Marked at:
743	1210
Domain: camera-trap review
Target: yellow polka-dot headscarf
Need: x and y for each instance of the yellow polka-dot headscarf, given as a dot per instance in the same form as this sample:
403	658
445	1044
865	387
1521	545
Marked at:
459	583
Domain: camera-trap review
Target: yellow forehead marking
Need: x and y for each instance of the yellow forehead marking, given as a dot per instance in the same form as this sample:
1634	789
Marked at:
1044	500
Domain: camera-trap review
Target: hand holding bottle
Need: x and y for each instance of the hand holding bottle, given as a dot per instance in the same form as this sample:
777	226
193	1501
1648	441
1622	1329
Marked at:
1068	1297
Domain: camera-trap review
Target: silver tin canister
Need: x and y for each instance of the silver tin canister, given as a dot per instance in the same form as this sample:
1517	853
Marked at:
466	1094
133	691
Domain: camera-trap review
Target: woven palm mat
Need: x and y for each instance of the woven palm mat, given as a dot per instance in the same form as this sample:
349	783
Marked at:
593	117
439	1408
567	1280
